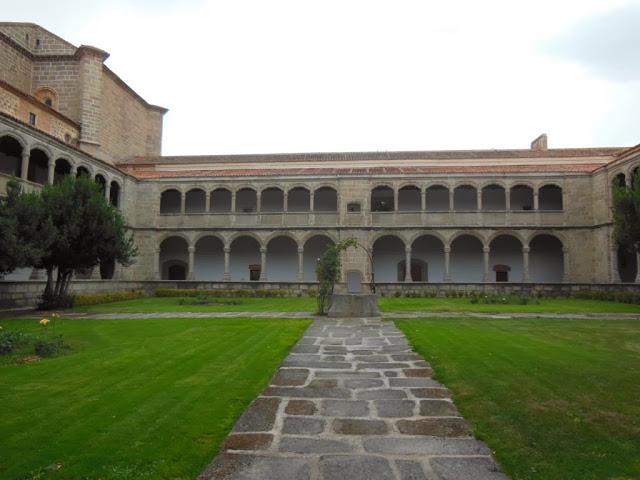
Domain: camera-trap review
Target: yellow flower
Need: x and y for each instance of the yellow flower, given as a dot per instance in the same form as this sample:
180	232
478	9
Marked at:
55	315
44	321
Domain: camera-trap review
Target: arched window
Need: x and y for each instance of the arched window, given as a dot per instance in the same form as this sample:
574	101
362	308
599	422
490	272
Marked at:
382	199
114	194
521	197
63	168
409	199
38	167
171	201
10	156
48	96
195	201
494	198
550	198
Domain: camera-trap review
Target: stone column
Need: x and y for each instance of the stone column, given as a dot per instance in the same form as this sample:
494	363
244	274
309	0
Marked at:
74	171
107	190
407	264
396	194
301	264
423	200
263	264
567	266
192	261
312	201
183	202
536	202
24	170
447	255
51	171
525	264
285	201
258	201
451	197
207	201
157	274
485	258
479	199
615	274
227	262
507	199
233	202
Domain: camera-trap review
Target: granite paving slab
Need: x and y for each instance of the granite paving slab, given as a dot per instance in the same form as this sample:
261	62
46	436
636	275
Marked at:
374	413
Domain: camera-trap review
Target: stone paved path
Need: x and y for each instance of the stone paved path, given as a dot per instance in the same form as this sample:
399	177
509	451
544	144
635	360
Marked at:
352	401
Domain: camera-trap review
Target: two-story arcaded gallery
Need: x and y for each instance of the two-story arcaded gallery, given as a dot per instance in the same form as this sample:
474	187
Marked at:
534	215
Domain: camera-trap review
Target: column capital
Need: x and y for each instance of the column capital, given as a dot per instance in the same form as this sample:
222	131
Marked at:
526	249
447	249
52	162
486	249
300	249
191	249
263	249
227	249
407	249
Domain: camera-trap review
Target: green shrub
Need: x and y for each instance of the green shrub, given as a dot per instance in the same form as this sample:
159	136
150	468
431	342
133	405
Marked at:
97	298
194	292
49	347
10	340
54	302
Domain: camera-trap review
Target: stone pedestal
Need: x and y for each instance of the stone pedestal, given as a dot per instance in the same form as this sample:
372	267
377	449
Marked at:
353	305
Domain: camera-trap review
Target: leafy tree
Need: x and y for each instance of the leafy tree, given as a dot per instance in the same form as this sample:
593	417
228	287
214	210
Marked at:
68	226
626	215
328	271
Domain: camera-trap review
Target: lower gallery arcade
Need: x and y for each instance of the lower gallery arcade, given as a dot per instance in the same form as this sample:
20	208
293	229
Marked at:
465	257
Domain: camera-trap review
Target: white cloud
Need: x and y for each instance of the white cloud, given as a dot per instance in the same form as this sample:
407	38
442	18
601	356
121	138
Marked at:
253	76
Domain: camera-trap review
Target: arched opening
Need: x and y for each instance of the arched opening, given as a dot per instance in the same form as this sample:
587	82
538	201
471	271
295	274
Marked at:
10	156
298	200
409	199
63	168
388	251
38	167
245	256
100	180
325	199
195	201
429	250
627	264
521	197
246	200
467	263
209	259
550	198
634	177
83	171
437	198
419	270
505	251
220	201
272	200
546	259
170	201
48	96
382	199
314	248
174	258
114	194
465	198
494	198
619	180
282	259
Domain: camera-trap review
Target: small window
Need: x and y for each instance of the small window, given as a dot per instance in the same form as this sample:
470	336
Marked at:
48	102
37	42
32	119
353	207
67	138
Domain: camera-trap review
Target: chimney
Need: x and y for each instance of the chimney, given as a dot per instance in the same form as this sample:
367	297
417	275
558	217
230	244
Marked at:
540	143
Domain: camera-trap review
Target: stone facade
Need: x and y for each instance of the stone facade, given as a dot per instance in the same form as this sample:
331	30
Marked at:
422	219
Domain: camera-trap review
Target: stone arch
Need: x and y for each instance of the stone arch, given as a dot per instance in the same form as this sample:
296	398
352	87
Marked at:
432	233
282	257
220	200
253	235
85	170
315	244
521	196
15	136
310	235
410	198
465	197
330	201
195	200
171	201
166	235
378	235
634	171
546	258
500	233
11	151
505	250
174	258
550	197
382	198
38	166
47	95
471	233
466	258
388	251
245	254
282	233
208	257
115	193
63	167
494	196
41	146
427	257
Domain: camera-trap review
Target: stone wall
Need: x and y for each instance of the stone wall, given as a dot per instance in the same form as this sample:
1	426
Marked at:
15	67
61	74
25	294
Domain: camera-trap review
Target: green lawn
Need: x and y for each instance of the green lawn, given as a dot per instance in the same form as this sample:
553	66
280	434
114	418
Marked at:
134	399
387	304
556	399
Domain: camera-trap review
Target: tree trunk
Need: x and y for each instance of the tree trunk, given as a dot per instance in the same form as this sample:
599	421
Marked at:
68	277
48	288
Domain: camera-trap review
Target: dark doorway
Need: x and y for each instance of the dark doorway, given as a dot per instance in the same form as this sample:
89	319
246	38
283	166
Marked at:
177	272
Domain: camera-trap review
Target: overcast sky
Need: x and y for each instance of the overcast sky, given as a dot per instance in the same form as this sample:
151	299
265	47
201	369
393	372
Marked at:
251	76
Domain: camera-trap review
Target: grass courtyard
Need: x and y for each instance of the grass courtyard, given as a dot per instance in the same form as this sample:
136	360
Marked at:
555	399
134	399
387	304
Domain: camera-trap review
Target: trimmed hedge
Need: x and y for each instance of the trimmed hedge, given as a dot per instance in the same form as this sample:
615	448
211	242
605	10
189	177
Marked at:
96	298
194	292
